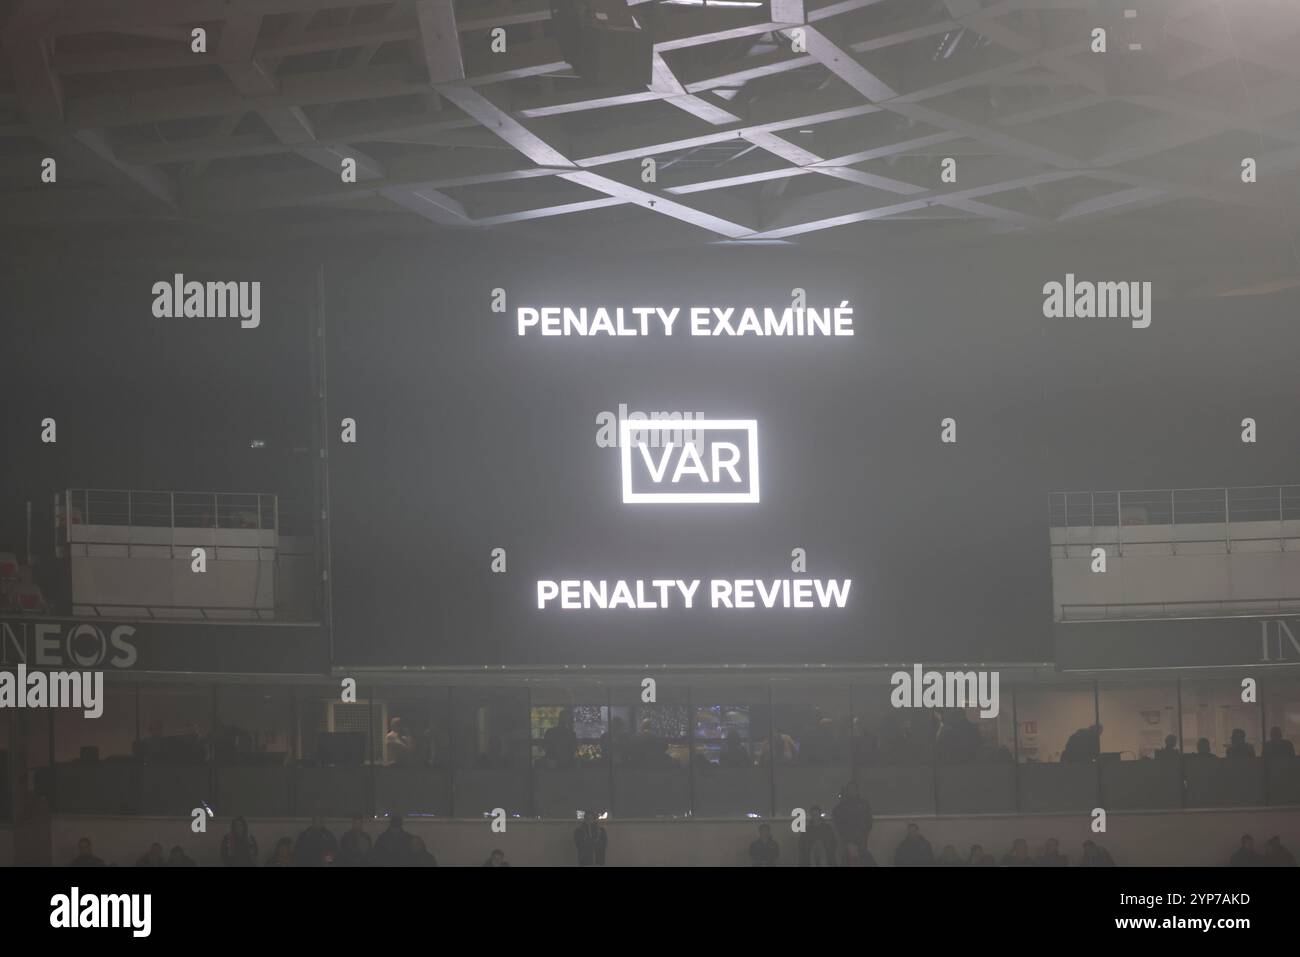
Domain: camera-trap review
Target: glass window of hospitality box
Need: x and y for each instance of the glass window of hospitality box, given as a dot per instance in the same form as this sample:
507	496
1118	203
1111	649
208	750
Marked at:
490	748
176	732
413	776
253	748
815	713
1058	742
1141	748
94	769
651	747
893	750
10	768
1281	697
974	757
571	746
336	744
1222	738
734	747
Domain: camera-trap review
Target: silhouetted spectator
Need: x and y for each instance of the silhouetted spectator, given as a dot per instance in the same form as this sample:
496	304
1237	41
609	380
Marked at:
591	840
283	856
764	851
421	856
948	857
733	754
852	819
393	849
781	744
1239	747
648	749
1170	750
1246	856
997	754
316	846
497	859
238	847
1277	746
1051	855
152	857
354	849
1083	747
85	855
150	748
817	843
1018	856
1275	855
400	746
914	850
978	857
958	741
865	747
178	858
818	746
855	856
1094	855
614	743
560	742
1203	751
227	744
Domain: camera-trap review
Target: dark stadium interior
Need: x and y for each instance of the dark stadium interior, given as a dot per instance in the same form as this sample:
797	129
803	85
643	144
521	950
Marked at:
775	169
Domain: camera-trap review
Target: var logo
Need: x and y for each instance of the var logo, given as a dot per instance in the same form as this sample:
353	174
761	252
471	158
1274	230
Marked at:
719	466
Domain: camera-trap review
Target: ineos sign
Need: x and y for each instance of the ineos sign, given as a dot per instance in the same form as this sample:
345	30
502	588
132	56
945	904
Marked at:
84	645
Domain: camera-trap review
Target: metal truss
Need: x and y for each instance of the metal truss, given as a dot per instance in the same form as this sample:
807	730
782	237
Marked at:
765	122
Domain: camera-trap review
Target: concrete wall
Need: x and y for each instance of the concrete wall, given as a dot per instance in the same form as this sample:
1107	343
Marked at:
1183	563
151	567
1154	839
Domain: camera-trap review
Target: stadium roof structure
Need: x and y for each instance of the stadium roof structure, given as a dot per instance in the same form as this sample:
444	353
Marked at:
798	121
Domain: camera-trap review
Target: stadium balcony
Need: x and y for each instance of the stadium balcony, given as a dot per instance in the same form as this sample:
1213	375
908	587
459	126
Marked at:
1175	553
713	750
133	554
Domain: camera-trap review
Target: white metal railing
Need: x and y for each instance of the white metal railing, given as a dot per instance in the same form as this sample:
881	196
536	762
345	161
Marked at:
1211	608
151	509
1260	513
99	523
198	612
1256	503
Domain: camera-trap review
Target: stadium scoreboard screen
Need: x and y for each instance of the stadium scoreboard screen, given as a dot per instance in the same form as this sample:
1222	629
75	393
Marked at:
664	460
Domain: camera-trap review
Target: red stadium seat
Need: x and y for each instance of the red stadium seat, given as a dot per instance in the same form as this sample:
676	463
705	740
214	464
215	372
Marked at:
29	599
8	566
